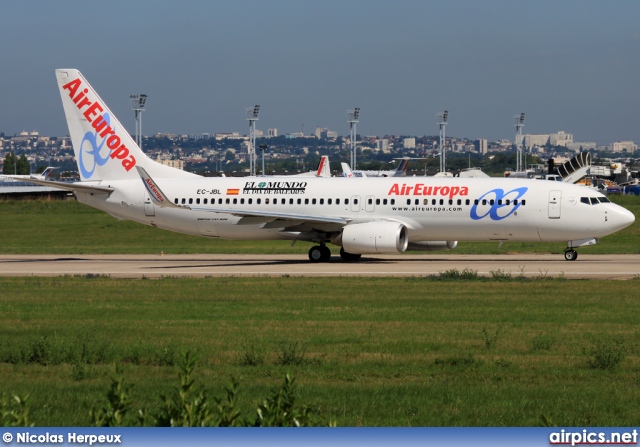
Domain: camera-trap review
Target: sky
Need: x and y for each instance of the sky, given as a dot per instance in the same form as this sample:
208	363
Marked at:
570	65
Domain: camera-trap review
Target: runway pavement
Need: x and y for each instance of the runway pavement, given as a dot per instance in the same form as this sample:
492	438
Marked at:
155	266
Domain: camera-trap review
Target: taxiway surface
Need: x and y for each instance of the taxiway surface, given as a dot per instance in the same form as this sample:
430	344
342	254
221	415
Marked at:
155	266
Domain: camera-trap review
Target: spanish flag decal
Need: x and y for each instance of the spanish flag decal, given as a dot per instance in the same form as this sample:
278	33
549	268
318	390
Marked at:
233	191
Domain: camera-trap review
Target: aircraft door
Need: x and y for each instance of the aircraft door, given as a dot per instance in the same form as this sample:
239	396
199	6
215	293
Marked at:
555	199
149	207
355	203
369	204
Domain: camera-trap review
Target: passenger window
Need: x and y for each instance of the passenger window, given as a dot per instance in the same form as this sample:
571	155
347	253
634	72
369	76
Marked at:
523	202
313	201
491	202
299	201
441	201
484	201
515	202
425	202
355	201
235	201
475	202
290	201
241	201
417	202
507	202
306	201
467	202
408	201
393	201
321	201
500	202
205	201
433	202
228	201
337	201
450	201
328	201
190	201
250	201
370	201
384	201
346	201
275	201
198	201
266	201
377	201
176	201
258	201
459	201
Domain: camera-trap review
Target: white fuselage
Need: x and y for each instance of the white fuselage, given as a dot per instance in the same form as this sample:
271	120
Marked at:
432	209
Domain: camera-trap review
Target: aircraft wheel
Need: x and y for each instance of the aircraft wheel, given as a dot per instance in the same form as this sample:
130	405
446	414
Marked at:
316	253
326	253
349	257
570	255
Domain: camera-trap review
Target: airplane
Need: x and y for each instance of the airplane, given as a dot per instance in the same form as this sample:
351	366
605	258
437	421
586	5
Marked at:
400	171
370	216
323	169
45	175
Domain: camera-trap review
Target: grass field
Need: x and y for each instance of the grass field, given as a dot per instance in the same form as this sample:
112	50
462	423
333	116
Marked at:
444	351
365	352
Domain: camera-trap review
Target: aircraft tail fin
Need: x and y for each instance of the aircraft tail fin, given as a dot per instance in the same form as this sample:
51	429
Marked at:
324	169
45	175
104	150
346	170
402	167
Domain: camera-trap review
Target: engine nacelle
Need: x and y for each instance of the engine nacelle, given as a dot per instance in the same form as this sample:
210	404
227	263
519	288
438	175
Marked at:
432	245
376	237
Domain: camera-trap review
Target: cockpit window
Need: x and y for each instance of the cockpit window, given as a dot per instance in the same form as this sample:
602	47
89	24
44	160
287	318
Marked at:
585	200
594	200
604	200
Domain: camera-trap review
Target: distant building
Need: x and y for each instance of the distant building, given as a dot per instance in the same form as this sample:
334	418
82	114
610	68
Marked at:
383	145
409	143
178	164
321	132
623	146
560	139
480	146
530	140
585	146
272	132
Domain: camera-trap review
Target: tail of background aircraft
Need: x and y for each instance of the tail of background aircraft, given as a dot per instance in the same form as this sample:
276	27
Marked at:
324	168
402	167
104	150
45	175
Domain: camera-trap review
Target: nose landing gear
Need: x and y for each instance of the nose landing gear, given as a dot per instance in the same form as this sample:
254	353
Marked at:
570	254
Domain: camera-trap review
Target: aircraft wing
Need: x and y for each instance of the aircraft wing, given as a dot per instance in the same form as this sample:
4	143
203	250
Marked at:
73	186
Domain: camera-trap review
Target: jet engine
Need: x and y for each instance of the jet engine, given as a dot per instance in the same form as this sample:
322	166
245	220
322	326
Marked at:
432	245
376	237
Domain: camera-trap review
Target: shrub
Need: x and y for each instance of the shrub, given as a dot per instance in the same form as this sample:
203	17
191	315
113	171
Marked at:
606	354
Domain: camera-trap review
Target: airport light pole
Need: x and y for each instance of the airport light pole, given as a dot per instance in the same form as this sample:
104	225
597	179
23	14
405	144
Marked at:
263	148
352	119
442	122
519	123
137	105
252	117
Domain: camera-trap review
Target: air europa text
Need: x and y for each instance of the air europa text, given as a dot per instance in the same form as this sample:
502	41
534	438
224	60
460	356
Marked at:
420	189
99	124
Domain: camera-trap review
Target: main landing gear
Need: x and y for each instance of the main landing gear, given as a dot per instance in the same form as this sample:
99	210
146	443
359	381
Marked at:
321	253
570	254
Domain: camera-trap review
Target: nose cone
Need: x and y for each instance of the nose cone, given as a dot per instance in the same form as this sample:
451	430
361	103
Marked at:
621	218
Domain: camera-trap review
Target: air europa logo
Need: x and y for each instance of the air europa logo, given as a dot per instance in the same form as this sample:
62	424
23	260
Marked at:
102	126
502	204
421	190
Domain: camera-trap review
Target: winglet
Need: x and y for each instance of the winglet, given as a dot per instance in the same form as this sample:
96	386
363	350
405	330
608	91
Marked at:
156	194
